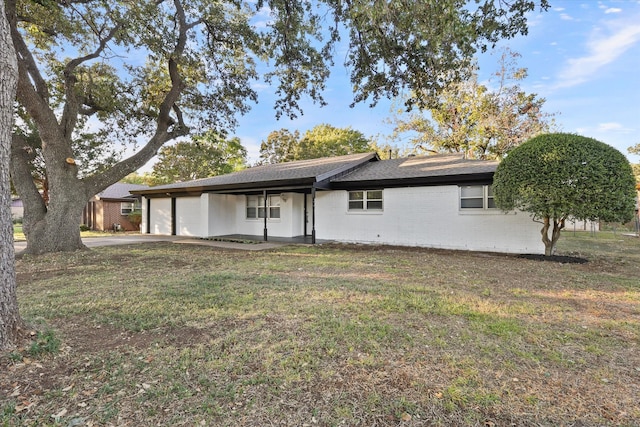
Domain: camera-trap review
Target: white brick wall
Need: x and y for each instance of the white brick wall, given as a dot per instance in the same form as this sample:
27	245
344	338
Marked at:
412	216
429	217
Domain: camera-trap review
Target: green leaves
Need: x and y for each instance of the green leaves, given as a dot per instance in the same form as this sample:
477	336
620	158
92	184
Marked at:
467	117
322	141
207	155
559	176
216	45
565	175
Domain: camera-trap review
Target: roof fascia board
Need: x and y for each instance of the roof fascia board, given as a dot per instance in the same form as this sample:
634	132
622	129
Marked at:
232	188
285	188
484	178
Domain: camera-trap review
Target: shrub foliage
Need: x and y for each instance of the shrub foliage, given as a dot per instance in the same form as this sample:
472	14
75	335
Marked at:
559	175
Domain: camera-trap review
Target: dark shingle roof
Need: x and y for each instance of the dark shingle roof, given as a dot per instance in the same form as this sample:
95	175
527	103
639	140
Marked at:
120	190
343	172
419	170
301	172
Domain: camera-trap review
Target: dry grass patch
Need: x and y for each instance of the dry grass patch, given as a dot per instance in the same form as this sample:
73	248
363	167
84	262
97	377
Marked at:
165	334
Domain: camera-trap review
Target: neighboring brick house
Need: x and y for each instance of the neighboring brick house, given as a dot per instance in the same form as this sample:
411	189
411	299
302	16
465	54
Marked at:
109	210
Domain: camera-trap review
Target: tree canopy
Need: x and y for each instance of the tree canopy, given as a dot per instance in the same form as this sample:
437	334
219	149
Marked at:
321	141
143	178
148	72
280	146
206	155
481	121
558	176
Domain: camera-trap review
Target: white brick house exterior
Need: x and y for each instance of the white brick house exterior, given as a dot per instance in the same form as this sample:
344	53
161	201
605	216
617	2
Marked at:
436	201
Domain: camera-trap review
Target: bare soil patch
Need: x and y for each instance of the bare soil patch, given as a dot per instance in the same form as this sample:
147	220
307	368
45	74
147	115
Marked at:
563	259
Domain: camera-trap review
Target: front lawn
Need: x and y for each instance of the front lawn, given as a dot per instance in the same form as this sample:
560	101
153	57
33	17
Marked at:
18	234
331	335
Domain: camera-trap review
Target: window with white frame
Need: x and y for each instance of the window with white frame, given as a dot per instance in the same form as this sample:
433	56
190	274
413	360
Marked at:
127	207
256	208
365	200
476	197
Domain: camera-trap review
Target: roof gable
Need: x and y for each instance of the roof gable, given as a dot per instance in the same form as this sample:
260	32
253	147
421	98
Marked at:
120	190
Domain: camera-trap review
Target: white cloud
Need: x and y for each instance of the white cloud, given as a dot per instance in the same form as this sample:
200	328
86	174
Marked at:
613	10
602	50
253	148
605	127
566	17
614	127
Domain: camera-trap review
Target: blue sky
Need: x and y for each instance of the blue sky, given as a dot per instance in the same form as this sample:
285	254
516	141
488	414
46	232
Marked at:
583	57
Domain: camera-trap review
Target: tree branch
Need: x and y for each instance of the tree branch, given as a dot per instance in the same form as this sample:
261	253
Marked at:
98	182
72	102
21	156
26	59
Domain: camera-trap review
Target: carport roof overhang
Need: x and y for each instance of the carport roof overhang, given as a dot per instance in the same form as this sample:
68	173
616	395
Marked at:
298	185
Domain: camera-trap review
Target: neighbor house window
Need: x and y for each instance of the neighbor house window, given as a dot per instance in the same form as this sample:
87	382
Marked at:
255	207
366	200
126	208
476	197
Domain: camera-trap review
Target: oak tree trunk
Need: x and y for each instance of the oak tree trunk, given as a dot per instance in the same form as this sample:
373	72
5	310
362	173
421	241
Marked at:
50	225
10	321
58	230
52	219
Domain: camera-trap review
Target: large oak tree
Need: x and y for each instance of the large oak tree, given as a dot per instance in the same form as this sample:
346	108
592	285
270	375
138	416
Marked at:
150	71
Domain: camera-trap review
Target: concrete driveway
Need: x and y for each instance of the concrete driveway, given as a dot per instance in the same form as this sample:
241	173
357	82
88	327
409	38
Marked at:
121	239
129	239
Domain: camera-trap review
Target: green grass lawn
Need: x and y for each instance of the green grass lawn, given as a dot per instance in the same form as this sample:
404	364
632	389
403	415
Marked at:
329	335
18	234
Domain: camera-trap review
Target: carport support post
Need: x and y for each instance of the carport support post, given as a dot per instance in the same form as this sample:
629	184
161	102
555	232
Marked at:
148	230
313	216
173	216
264	196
